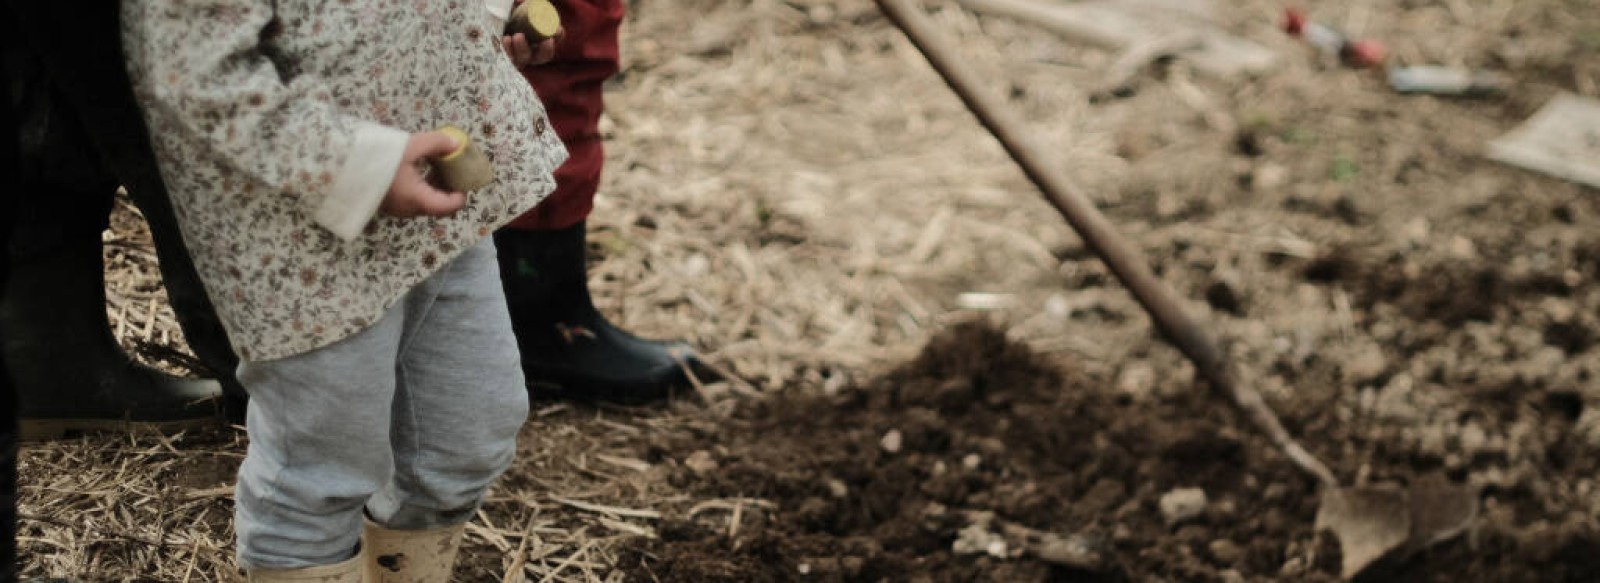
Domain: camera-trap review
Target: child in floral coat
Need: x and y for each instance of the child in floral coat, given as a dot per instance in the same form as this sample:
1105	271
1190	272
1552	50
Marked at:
364	302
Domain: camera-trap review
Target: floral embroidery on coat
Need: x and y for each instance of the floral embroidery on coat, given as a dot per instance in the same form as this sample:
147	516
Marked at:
254	108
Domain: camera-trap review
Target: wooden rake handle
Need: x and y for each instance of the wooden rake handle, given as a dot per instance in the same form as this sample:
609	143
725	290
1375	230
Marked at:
1175	324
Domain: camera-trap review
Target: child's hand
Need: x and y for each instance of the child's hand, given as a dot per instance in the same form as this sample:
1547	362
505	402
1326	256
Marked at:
525	55
410	194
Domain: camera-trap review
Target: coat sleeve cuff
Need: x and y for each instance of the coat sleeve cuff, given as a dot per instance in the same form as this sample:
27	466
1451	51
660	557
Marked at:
358	189
499	13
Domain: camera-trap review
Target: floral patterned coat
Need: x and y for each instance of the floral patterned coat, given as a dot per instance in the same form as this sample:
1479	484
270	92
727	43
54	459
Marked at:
278	125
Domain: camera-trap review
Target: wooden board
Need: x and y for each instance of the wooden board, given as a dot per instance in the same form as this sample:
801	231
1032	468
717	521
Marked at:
1562	139
1123	25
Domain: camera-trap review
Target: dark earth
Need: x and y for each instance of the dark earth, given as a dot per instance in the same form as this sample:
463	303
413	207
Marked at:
988	426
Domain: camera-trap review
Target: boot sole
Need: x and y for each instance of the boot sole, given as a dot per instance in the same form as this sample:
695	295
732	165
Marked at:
37	430
566	385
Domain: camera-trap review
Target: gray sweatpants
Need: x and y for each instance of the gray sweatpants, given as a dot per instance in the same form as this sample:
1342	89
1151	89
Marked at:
410	419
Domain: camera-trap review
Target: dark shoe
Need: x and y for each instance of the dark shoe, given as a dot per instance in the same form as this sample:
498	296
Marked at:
190	304
567	346
70	375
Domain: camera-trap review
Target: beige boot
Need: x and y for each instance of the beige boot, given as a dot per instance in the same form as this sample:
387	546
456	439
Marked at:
411	556
349	571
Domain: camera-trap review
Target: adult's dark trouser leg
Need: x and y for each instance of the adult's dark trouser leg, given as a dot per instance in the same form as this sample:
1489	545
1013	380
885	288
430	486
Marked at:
9	167
89	78
68	370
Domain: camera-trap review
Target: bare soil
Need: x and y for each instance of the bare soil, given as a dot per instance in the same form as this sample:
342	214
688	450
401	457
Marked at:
988	427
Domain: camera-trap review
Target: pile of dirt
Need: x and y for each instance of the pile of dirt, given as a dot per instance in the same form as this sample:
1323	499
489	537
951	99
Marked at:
954	465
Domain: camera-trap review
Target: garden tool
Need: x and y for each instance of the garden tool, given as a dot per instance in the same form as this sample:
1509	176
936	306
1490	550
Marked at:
1371	522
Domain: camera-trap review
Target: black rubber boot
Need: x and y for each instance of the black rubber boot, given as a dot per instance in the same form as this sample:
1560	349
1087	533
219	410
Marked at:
568	348
192	307
9	186
69	373
84	84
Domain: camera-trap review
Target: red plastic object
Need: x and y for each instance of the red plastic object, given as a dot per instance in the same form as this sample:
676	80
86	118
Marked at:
1364	54
1294	21
1360	54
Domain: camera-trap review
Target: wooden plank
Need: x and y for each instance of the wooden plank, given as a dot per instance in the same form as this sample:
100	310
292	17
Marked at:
1223	56
1130	24
1562	139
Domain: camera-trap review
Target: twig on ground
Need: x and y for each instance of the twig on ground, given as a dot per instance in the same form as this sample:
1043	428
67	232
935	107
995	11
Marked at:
28	516
603	509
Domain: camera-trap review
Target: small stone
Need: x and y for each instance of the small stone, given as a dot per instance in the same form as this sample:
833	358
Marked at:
1072	551
1182	504
821	14
996	548
1395	400
972	461
1269	177
1473	438
1225	508
1137	380
1231	576
976	539
837	488
1275	492
892	441
696	265
701	463
815	510
1416	231
1366	365
1462	248
1293	567
1058	306
1225	551
834	383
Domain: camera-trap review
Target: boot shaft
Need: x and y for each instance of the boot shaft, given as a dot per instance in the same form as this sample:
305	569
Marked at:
545	273
68	370
349	571
410	556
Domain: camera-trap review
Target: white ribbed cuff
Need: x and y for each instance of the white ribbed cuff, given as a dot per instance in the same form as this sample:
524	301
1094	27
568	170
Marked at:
499	12
360	186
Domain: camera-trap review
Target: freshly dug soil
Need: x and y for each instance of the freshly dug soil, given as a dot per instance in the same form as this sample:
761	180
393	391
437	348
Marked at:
987	427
